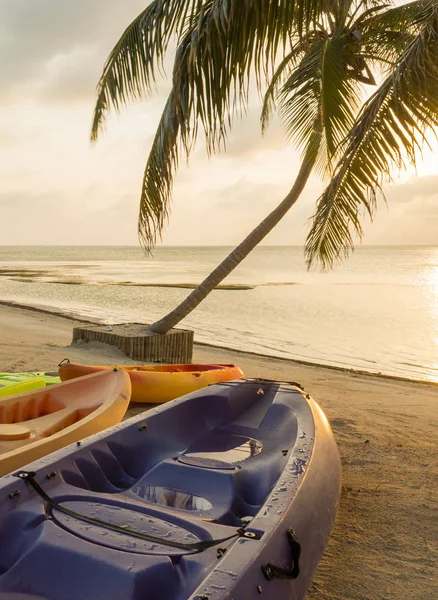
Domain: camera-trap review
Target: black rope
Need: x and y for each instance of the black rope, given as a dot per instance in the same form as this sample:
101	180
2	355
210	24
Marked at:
29	477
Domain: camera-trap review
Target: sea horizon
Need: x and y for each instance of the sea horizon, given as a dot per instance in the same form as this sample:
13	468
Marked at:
375	312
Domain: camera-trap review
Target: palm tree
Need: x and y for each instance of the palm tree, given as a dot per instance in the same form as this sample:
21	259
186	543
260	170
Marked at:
313	60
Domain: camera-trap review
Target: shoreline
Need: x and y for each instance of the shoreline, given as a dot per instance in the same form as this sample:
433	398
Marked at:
383	545
71	317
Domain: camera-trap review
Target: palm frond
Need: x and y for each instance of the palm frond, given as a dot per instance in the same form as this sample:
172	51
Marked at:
340	97
221	49
158	176
385	35
397	18
285	67
299	99
390	130
382	48
320	93
131	67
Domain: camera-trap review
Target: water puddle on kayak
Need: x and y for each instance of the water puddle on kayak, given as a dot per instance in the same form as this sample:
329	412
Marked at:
169	497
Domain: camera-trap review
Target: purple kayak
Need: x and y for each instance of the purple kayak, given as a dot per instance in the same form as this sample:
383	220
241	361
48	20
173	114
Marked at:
227	493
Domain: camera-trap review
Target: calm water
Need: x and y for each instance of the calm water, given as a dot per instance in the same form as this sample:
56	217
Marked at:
378	311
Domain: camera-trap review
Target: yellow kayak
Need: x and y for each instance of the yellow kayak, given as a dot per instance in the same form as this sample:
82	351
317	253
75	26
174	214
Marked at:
156	384
16	384
38	422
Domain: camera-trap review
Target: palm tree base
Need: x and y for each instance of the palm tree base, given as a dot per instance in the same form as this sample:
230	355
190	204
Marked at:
138	342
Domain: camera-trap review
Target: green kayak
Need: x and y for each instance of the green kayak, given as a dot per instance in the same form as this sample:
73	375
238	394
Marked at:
16	383
9	384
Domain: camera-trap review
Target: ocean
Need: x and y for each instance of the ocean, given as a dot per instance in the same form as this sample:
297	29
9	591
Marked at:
377	311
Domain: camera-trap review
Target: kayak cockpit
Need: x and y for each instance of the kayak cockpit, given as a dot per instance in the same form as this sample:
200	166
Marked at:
223	474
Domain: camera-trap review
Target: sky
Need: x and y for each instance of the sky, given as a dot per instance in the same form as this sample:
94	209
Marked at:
57	188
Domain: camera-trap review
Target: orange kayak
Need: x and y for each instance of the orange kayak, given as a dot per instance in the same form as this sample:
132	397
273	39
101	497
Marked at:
38	422
156	384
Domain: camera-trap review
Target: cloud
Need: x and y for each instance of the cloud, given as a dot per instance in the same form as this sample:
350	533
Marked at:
70	77
35	34
415	189
55	188
9	136
411	215
246	135
64	217
233	210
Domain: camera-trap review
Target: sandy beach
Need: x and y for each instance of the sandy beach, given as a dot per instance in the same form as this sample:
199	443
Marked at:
385	542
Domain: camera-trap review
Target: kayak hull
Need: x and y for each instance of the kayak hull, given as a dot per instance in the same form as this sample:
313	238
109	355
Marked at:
36	423
239	470
156	384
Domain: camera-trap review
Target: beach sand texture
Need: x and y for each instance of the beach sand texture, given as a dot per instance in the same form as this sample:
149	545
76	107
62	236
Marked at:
385	542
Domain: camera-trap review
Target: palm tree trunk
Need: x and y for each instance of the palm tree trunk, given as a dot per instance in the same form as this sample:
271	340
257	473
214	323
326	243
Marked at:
239	253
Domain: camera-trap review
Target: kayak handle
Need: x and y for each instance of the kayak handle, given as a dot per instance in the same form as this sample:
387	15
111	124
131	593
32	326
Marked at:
64	360
271	571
